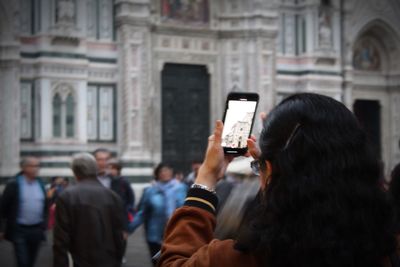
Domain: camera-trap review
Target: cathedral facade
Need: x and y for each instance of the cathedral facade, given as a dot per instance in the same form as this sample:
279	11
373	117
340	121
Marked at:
147	78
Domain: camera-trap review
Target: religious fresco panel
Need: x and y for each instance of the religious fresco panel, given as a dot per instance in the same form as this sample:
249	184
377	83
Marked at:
185	11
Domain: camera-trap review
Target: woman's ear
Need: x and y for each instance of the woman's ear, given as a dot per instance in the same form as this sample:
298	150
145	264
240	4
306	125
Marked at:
265	175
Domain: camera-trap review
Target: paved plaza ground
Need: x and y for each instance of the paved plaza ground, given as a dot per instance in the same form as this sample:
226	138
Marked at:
137	254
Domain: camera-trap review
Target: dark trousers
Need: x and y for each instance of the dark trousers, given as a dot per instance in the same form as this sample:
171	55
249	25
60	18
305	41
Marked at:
26	243
154	248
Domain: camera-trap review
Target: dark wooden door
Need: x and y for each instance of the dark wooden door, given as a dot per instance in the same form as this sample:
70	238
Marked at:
185	114
368	113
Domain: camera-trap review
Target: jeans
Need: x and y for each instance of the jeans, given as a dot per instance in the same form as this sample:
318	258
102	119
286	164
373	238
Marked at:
26	243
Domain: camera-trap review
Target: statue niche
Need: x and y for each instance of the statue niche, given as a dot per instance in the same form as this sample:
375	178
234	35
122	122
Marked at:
325	25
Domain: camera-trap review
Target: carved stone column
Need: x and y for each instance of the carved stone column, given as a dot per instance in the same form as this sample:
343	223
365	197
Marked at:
9	91
133	31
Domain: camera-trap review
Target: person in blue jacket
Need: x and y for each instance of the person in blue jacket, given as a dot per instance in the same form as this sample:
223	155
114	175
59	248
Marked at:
157	204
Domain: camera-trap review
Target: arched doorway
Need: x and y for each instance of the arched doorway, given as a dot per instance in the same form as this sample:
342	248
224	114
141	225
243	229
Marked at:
376	88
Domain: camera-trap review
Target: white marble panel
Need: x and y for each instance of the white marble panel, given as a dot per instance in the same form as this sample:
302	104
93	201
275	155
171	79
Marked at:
26	110
105	19
25	17
106	113
91	18
92	112
290	33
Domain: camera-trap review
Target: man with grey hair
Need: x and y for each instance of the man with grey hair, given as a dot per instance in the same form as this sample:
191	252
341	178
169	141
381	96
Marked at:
23	213
89	221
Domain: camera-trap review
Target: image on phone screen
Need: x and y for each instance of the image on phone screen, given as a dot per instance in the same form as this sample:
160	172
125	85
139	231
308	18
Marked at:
238	122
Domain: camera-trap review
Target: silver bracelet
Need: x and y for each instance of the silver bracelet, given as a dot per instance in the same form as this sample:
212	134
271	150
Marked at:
204	187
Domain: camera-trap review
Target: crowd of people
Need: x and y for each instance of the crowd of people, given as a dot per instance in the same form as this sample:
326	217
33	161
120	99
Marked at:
319	201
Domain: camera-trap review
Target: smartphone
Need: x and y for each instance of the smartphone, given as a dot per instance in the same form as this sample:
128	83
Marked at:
240	110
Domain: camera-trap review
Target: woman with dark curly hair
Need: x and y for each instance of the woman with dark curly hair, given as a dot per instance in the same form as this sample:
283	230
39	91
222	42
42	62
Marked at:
320	203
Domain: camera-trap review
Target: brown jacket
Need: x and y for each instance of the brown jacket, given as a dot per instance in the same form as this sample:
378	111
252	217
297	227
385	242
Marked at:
194	226
89	225
189	238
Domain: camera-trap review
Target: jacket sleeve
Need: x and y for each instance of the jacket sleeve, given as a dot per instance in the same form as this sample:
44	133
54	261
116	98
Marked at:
61	235
138	219
130	195
181	195
45	207
5	203
189	239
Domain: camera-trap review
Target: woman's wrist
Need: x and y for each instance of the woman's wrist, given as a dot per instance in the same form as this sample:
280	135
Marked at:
206	177
204	187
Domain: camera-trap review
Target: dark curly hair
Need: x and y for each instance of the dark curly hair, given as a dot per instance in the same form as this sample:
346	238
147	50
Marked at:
323	206
158	168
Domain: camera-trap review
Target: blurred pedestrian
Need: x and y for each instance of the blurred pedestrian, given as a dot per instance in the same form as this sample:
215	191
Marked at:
65	182
179	176
157	204
319	204
189	179
56	187
121	187
102	156
23	213
124	190
109	175
89	220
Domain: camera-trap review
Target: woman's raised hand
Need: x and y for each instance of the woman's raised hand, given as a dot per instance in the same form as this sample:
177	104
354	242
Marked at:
253	149
215	162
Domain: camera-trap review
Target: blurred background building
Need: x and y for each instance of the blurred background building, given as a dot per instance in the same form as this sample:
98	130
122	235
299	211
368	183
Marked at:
146	78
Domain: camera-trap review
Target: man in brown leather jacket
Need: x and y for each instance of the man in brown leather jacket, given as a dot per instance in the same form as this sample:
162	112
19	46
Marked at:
89	221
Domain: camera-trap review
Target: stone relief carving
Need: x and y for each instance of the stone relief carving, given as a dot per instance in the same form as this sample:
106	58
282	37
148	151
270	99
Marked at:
135	56
60	69
134	133
205	46
65	13
106	75
396	115
134	60
91	19
166	42
289	28
25	17
64	89
26	110
325	27
105	19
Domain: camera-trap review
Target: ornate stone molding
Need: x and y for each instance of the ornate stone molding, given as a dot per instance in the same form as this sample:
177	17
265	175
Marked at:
9	51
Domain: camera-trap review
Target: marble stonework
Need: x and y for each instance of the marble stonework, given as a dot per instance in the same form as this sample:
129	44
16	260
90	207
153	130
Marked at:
94	47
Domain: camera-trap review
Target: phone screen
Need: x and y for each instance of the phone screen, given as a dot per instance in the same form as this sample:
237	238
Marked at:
238	123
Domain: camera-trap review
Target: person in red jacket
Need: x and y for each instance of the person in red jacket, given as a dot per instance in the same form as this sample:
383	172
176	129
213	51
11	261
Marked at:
319	203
